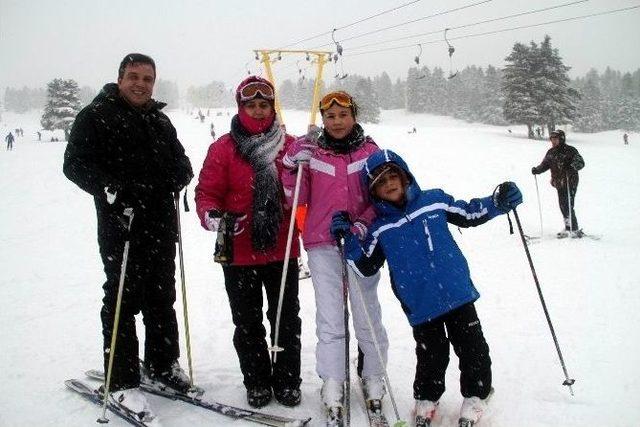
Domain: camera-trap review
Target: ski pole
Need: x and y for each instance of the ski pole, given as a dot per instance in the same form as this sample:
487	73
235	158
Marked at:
345	307
568	381
539	205
275	348
569	204
128	212
185	310
399	422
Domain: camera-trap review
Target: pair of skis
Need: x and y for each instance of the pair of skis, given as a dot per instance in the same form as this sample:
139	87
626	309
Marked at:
537	239
92	394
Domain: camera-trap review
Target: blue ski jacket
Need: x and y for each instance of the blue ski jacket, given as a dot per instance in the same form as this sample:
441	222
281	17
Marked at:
429	274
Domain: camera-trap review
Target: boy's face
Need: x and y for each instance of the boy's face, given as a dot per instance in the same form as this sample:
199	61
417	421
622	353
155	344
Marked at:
389	187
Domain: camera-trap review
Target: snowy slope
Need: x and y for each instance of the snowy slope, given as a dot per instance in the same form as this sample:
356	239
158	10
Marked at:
51	275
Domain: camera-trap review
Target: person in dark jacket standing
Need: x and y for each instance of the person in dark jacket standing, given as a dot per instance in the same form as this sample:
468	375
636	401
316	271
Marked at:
125	152
239	189
429	275
564	162
9	138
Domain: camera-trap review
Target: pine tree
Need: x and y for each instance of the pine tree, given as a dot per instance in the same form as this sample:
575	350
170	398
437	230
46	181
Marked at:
589	114
62	105
367	100
384	88
520	101
556	99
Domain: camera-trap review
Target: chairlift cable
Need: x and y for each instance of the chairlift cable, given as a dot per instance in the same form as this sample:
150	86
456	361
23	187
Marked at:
353	23
574	18
486	21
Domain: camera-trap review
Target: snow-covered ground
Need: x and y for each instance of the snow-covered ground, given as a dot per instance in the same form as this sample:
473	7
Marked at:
51	275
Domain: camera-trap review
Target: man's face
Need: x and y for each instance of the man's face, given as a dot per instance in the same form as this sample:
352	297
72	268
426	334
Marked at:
555	140
136	85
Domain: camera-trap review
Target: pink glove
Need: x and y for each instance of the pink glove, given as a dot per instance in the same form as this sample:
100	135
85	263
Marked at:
302	148
359	229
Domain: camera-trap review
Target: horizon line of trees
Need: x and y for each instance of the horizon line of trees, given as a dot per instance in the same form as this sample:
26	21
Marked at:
533	89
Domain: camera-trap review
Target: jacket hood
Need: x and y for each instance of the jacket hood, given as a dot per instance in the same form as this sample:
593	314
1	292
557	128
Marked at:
111	93
378	159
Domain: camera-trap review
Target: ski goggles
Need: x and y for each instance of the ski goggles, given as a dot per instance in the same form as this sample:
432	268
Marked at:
339	97
256	89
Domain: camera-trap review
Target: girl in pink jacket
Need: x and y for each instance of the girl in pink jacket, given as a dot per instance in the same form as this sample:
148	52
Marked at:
330	183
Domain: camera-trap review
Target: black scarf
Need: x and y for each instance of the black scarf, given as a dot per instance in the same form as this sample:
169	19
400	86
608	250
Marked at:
260	152
346	145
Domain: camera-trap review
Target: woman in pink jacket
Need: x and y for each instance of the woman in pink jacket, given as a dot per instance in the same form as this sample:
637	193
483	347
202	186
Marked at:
240	177
331	183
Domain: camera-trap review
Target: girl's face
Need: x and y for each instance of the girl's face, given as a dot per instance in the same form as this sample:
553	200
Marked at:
338	121
389	187
258	108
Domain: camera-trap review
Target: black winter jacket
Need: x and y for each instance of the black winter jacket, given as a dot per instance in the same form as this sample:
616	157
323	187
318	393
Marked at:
134	151
563	160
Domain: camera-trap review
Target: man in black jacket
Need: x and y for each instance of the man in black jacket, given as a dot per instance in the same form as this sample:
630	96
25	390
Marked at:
564	162
124	152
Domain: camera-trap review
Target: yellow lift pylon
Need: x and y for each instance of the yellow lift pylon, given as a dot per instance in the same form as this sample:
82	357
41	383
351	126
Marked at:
321	58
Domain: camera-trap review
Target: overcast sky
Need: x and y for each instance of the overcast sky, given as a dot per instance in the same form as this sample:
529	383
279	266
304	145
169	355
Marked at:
197	41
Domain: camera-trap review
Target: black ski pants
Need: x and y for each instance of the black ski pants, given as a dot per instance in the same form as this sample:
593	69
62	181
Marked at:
564	201
464	331
244	287
149	288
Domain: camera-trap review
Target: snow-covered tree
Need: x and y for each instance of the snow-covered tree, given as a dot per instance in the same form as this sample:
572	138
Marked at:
555	97
62	105
520	104
589	112
384	88
86	95
167	92
367	100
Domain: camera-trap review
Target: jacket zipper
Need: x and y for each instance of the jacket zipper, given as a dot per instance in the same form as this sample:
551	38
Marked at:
428	234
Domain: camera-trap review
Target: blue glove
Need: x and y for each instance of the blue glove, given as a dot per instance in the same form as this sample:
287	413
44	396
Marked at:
340	225
507	196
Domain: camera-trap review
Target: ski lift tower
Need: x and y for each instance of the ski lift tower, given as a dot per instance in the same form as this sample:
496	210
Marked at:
319	58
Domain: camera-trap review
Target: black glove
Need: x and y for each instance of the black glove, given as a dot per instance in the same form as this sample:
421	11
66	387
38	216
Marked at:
340	225
507	196
534	170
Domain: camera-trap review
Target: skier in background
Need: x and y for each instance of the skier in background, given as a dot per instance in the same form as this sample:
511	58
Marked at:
9	138
429	275
564	161
124	152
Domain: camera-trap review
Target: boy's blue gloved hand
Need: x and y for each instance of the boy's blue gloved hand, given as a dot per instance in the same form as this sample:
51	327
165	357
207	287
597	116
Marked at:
507	196
340	225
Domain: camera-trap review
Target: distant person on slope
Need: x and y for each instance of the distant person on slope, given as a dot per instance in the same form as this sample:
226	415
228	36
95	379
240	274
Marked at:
124	152
9	138
564	162
429	275
331	182
239	189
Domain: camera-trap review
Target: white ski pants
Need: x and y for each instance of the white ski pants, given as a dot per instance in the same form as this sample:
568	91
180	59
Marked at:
326	274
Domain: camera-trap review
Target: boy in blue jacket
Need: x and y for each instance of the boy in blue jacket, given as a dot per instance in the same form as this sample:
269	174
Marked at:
429	275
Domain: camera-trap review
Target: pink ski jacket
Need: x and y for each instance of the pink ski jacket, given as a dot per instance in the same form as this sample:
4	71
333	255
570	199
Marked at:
330	182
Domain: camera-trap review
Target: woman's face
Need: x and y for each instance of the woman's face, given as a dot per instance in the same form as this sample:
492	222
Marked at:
338	121
258	109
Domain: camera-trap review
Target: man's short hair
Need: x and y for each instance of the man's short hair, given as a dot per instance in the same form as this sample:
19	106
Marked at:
135	58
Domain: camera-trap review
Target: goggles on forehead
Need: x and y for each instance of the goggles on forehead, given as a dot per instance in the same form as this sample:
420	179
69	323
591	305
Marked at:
339	97
256	89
